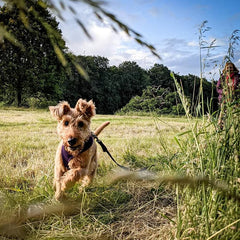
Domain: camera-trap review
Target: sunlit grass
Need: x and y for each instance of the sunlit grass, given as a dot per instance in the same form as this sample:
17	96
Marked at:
187	160
29	139
28	144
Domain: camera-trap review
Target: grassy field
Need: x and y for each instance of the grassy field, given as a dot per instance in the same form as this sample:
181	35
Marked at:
152	204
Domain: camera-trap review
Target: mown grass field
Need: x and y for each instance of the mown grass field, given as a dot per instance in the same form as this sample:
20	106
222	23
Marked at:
138	208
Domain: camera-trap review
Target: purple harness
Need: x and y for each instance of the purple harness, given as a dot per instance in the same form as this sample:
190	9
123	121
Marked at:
66	157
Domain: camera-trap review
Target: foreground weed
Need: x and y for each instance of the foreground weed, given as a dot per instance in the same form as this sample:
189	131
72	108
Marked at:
214	154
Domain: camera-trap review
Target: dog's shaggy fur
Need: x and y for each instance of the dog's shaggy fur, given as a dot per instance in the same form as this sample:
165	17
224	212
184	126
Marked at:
74	131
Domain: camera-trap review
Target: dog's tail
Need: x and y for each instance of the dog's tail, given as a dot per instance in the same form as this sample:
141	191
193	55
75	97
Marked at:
100	128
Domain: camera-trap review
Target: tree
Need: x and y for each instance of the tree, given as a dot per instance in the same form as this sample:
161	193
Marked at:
34	7
161	96
160	76
32	68
109	87
133	79
155	99
98	10
97	85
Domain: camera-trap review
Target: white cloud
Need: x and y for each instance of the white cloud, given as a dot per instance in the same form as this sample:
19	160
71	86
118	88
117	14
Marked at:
176	53
105	42
179	55
117	47
193	44
141	56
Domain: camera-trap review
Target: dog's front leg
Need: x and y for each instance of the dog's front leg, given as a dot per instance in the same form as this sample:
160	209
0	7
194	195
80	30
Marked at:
57	185
59	170
71	177
87	179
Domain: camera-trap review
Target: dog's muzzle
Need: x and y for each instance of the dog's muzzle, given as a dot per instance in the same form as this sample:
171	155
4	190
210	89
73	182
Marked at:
72	141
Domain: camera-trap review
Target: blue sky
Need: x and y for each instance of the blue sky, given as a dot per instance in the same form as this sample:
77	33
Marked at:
170	25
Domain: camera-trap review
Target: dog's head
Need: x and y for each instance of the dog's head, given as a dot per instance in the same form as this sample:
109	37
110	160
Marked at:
74	123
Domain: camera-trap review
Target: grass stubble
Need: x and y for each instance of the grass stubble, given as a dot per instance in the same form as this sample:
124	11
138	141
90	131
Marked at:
189	190
106	210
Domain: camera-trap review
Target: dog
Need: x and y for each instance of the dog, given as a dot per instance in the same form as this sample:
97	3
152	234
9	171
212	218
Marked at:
76	156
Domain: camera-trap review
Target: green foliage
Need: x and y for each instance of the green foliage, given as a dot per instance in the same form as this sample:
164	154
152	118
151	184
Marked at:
36	68
35	6
161	96
133	80
110	87
160	76
33	75
32	62
140	163
155	99
39	101
212	152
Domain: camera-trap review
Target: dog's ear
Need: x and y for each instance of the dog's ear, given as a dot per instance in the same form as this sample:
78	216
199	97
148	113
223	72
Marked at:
85	108
61	109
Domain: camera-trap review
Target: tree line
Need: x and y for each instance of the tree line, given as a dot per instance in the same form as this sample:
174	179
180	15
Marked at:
32	75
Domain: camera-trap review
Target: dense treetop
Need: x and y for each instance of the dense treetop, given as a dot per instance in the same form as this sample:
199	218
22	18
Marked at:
33	75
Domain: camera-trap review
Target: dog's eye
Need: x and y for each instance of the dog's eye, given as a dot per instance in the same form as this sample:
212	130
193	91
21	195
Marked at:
80	124
66	123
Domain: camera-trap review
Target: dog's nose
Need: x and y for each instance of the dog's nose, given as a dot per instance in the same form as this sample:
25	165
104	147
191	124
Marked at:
72	141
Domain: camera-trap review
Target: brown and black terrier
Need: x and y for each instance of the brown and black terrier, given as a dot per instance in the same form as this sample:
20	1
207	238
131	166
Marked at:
76	157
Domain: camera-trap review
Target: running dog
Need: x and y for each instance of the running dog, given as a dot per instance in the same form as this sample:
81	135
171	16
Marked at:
76	156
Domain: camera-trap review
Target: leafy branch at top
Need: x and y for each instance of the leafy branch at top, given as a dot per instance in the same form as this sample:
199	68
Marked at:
100	13
23	6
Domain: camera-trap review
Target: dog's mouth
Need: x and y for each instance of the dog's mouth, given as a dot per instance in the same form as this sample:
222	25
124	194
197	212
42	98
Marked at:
81	147
74	148
72	144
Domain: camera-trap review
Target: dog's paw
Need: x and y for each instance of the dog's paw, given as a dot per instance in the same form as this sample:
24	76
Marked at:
67	182
59	196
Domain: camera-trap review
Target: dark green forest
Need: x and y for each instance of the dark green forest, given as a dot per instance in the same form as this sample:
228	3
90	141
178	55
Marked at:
33	76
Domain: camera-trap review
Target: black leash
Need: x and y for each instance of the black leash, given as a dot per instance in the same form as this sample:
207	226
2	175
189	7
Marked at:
104	148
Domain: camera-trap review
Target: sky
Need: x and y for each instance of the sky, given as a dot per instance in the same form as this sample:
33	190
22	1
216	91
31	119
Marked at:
171	26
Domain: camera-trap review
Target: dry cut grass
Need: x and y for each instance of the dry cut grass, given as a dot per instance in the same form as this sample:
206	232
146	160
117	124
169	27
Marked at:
188	190
106	210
